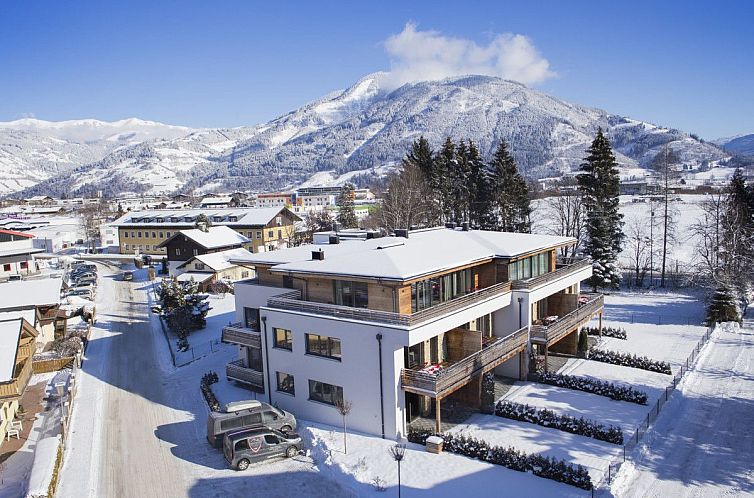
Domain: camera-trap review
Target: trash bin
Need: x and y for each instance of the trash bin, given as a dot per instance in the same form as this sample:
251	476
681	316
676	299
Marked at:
434	444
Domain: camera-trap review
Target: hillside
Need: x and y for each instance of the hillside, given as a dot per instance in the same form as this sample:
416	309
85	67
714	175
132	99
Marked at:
365	128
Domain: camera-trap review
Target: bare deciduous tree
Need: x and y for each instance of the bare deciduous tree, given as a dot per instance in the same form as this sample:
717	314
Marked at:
707	233
408	201
344	408
568	219
637	241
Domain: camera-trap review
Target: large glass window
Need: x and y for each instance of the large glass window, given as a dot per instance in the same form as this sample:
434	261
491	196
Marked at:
432	291
324	393
321	345
533	266
348	293
251	318
254	359
283	339
285	383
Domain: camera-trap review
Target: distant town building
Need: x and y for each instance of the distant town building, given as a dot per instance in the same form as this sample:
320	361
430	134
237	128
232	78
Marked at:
17	254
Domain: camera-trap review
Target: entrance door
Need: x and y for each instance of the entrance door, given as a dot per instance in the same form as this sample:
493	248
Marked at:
413	407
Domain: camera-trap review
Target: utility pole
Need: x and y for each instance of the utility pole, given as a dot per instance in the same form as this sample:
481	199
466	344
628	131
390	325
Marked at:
651	245
666	172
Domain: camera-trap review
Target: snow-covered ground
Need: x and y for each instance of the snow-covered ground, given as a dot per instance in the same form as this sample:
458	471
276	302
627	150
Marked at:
702	443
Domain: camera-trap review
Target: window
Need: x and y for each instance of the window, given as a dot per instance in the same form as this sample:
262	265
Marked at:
251	318
271	234
279	220
259	234
196	252
199	266
283	338
285	383
269	416
324	393
167	234
238	422
533	266
125	235
160	233
138	234
254	359
250	235
127	247
280	234
132	235
352	294
244	274
271	439
6	267
433	291
177	251
24	265
321	345
154	235
287	281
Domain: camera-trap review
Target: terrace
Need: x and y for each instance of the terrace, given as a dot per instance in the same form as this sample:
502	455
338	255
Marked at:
552	332
239	371
563	268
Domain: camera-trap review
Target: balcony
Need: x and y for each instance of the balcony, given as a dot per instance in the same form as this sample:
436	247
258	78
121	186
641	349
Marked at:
563	268
291	302
239	371
589	305
17	386
456	375
236	333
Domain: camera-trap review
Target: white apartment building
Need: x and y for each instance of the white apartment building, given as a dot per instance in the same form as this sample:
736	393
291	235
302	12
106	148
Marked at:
402	326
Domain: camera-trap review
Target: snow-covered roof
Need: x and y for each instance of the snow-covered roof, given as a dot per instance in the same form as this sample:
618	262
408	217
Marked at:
397	258
217	200
19	250
10	333
213	238
253	217
218	261
30	293
196	276
29	315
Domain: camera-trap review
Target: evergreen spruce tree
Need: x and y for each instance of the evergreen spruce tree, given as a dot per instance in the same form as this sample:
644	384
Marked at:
480	191
599	184
459	186
509	193
346	215
722	307
444	167
421	156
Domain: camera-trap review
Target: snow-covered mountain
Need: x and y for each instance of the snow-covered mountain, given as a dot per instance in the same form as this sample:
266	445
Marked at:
32	149
366	129
739	144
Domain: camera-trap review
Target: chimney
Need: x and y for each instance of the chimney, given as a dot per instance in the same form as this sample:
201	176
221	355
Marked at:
334	239
401	232
318	255
465	226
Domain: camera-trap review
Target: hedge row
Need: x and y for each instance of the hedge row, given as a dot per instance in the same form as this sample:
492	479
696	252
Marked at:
629	360
595	386
548	418
206	386
549	468
618	333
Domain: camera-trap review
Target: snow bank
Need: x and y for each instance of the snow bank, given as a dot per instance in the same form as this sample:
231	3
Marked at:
45	454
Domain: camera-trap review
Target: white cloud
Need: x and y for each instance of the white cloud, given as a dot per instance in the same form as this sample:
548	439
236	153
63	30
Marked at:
428	55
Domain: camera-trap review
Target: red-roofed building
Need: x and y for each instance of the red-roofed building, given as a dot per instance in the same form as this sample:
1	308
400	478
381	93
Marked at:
17	255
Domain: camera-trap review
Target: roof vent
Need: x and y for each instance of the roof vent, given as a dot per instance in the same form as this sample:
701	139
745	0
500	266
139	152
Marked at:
318	255
401	232
465	226
334	239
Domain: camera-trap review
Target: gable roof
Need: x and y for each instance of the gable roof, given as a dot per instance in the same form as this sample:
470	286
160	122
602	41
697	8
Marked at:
25	294
218	261
213	238
399	259
10	336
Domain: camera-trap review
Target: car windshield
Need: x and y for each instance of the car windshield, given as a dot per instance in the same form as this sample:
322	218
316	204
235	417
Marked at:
279	411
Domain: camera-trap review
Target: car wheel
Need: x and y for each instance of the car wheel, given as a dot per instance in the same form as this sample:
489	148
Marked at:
291	452
286	428
243	464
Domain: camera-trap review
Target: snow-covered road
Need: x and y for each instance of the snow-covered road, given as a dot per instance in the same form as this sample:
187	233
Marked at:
703	442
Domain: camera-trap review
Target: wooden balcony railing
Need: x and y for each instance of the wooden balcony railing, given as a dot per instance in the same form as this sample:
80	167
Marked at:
17	386
239	371
563	269
236	333
367	315
552	333
456	375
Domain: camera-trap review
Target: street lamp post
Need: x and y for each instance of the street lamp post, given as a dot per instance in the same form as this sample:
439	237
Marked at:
398	452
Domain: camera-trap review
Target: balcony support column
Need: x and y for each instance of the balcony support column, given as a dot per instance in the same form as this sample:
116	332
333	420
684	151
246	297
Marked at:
437	415
600	325
522	365
546	358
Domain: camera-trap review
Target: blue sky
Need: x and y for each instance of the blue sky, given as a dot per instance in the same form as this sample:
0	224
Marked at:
688	65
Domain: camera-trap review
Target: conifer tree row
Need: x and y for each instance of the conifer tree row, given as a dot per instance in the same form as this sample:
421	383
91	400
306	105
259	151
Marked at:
491	196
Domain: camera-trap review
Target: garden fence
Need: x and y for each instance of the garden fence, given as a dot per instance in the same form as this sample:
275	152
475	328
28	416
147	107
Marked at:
654	412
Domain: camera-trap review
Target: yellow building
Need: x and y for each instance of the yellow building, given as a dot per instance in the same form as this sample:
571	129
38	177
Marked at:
142	232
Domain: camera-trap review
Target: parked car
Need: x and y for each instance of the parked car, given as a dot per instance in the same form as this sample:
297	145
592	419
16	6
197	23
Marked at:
128	275
83	293
86	279
83	285
245	414
242	448
83	273
84	266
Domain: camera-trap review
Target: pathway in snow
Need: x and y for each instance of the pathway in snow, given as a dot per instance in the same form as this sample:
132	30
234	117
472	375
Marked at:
703	442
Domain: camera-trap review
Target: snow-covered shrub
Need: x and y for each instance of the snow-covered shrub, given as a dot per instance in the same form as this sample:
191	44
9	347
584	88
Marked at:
629	360
566	423
509	457
205	384
723	307
488	393
379	484
595	386
616	332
